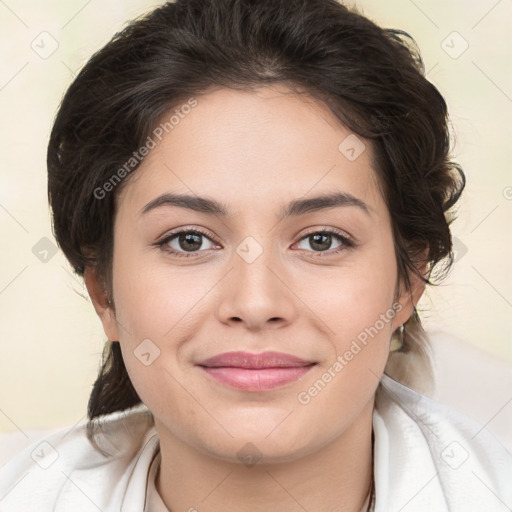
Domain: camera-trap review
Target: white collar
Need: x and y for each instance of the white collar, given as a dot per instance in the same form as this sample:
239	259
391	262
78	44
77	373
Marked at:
427	457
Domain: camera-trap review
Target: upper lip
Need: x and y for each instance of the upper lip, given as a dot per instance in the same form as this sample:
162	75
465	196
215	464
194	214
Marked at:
249	360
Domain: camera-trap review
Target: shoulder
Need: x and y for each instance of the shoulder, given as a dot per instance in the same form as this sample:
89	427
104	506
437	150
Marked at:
66	471
426	451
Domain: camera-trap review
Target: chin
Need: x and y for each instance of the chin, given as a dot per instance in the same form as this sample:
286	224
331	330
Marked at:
257	453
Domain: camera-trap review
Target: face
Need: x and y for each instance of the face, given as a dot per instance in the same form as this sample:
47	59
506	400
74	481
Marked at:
316	281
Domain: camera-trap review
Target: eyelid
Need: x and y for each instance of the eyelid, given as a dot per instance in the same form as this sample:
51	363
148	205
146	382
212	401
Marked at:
342	234
170	234
347	240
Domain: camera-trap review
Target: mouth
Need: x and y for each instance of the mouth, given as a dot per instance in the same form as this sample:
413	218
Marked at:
255	372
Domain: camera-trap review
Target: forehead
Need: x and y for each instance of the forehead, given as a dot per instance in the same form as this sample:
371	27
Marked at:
255	147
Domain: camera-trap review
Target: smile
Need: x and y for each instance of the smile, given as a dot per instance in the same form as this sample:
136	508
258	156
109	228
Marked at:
255	372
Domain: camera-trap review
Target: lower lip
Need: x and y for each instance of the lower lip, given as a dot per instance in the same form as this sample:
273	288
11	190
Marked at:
262	379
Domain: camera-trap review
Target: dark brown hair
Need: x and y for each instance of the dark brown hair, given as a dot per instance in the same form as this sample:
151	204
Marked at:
372	78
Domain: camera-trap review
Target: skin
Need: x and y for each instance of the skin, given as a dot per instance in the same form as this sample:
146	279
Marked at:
255	152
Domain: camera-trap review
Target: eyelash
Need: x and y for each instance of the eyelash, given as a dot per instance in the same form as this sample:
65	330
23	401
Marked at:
347	243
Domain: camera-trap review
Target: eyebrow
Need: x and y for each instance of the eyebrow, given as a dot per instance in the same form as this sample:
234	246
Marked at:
294	208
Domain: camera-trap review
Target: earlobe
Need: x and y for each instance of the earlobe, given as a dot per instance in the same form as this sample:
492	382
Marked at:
418	284
101	303
410	297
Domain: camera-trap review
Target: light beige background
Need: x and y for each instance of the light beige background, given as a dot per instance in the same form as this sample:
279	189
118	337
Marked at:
51	339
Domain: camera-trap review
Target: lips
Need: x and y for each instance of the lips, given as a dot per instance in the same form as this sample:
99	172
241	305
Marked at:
255	372
258	361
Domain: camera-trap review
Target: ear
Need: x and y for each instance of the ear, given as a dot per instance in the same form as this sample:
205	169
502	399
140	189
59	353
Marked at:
409	298
101	304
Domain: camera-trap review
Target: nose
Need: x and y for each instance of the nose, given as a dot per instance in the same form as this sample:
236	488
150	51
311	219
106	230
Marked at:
255	292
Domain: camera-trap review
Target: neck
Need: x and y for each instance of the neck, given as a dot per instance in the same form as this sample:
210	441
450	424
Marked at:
336	477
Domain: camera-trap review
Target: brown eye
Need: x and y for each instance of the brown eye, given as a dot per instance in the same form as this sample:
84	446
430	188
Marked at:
189	241
186	241
322	241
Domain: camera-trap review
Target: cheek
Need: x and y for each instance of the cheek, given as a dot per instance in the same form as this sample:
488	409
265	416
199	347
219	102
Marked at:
159	309
167	305
353	298
359	303
154	300
358	310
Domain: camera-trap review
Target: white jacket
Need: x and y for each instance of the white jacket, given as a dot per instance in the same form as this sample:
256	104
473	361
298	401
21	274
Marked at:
427	458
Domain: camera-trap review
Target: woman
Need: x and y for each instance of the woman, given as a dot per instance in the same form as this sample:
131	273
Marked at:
257	194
